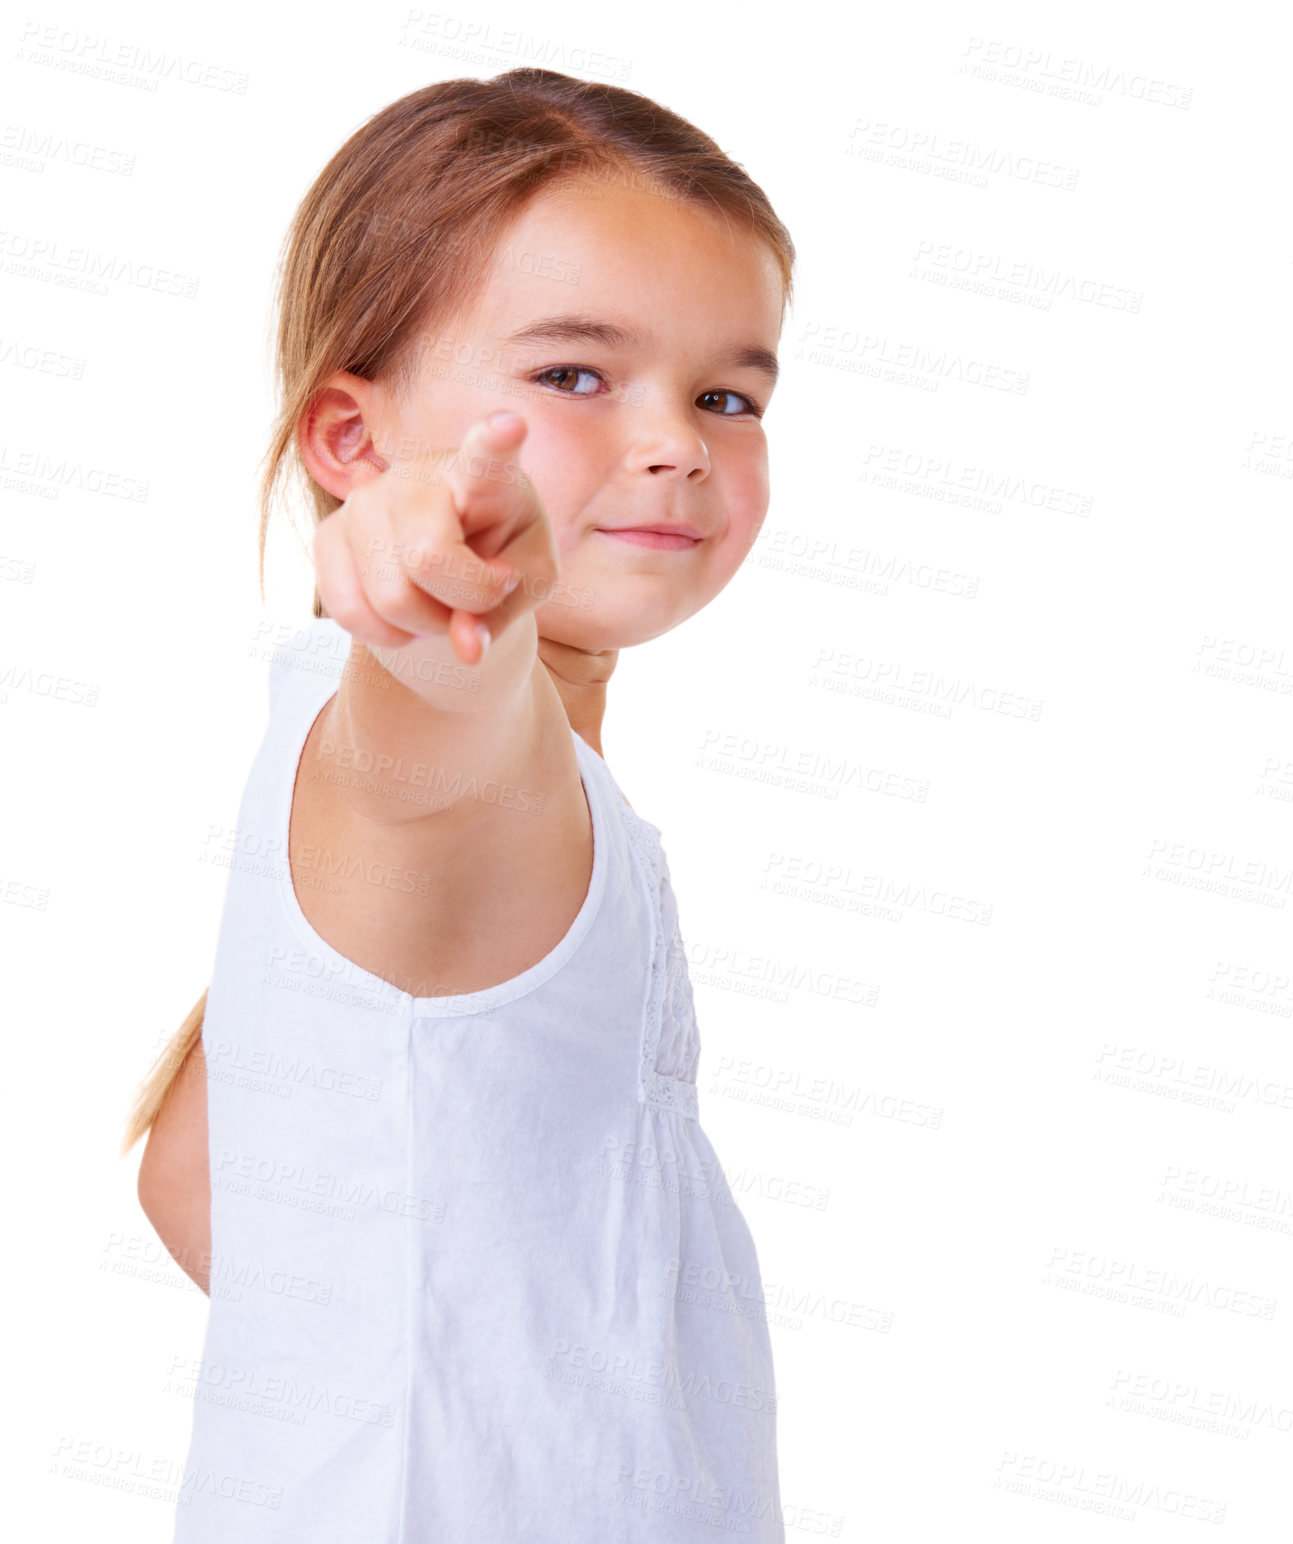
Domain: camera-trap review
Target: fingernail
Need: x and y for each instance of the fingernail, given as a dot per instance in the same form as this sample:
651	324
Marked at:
511	584
503	420
482	632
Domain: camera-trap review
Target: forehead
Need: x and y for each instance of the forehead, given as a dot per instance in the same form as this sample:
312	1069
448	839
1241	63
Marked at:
611	246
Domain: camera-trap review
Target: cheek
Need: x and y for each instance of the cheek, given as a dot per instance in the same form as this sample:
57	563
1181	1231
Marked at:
438	421
565	474
747	501
557	482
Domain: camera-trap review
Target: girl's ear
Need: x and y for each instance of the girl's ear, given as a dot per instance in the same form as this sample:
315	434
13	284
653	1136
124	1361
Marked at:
336	435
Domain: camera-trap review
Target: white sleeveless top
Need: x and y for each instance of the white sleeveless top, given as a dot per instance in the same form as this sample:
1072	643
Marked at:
477	1275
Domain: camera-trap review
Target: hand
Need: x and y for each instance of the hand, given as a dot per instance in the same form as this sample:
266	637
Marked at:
431	546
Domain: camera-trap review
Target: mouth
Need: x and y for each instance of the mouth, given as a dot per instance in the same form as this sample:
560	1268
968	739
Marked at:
664	538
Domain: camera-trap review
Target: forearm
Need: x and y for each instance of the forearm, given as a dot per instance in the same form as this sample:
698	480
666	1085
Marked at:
428	735
431	670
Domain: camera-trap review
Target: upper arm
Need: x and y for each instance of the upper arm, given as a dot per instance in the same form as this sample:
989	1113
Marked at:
457	848
174	1184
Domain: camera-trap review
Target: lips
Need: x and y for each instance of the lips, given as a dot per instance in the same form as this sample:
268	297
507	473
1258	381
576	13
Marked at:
661	530
660	538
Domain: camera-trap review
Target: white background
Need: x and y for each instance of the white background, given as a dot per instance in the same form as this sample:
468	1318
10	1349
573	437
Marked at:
1020	1186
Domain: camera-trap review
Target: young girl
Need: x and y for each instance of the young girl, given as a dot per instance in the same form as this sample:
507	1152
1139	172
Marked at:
476	1276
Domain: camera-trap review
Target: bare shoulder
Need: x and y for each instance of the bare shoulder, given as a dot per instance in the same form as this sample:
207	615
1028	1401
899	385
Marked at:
460	856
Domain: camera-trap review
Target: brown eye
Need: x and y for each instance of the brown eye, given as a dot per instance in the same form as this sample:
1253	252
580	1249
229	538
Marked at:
747	405
560	375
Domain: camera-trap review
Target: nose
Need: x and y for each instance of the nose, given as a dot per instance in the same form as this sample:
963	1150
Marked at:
668	443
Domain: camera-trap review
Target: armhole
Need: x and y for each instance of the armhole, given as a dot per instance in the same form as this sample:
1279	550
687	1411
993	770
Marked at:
317	650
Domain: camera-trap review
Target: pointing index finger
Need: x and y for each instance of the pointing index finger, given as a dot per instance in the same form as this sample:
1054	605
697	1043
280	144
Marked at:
483	472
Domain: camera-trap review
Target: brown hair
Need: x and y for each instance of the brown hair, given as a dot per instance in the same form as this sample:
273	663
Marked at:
397	231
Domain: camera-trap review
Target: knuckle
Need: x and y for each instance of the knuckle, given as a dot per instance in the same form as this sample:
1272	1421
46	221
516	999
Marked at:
382	590
403	618
346	611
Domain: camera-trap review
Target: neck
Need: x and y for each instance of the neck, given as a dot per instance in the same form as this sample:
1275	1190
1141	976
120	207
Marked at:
580	676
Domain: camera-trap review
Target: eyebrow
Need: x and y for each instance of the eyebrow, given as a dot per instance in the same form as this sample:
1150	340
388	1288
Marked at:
585	329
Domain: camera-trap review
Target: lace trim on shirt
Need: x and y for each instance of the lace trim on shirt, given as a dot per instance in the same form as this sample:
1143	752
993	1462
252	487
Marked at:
669	1000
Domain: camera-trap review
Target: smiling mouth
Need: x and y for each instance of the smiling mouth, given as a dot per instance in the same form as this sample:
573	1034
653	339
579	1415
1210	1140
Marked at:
662	540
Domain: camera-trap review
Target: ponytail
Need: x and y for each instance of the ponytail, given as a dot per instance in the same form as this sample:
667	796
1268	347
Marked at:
152	1092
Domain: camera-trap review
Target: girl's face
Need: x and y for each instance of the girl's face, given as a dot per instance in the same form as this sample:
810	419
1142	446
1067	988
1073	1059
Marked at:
636	335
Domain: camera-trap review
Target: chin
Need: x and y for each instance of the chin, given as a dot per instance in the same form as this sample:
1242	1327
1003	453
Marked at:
602	627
